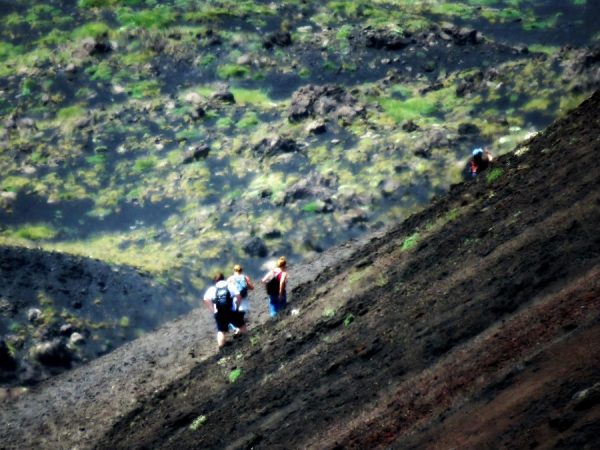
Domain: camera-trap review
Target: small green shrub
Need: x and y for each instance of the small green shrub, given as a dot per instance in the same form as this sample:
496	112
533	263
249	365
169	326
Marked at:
7	50
494	174
124	322
344	32
224	123
14	183
254	97
330	66
70	113
311	207
97	159
329	313
27	86
144	165
410	241
207	60
234	375
198	422
101	71
227	71
348	320
412	108
188	135
157	17
452	215
92	29
36	232
248	120
143	89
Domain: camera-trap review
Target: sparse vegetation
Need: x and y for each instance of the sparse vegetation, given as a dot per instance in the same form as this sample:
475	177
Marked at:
108	132
38	232
234	375
410	242
198	423
494	174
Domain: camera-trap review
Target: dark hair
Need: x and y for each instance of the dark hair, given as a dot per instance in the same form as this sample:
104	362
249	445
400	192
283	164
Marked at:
219	277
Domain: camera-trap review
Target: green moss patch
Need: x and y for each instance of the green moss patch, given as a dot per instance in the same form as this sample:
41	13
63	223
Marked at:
38	232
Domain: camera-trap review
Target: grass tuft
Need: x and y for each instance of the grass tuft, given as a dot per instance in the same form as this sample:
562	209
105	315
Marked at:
494	174
36	232
198	422
234	375
227	71
410	242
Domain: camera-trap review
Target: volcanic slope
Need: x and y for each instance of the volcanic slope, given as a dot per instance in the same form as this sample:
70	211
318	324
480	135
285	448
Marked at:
473	324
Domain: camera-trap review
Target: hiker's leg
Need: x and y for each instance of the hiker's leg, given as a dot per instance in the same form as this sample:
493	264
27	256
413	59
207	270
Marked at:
220	339
273	299
272	310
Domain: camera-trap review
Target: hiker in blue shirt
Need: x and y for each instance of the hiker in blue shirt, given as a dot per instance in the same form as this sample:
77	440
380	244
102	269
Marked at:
243	283
223	300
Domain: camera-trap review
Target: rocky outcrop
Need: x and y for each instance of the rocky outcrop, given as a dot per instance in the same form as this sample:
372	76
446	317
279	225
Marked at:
52	353
469	84
459	35
223	96
275	145
196	153
582	65
468	129
256	247
7	360
278	39
315	187
385	39
324	101
93	46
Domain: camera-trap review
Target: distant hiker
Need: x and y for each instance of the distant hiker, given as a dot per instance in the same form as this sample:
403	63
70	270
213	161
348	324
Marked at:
275	281
243	283
223	300
480	161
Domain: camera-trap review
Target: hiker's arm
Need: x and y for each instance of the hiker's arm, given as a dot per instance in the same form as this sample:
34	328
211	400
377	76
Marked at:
209	304
249	283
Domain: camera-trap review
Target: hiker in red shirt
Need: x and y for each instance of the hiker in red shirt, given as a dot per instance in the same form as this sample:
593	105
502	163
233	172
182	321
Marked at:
276	281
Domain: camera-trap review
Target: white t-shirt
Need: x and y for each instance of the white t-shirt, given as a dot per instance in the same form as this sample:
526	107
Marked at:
211	292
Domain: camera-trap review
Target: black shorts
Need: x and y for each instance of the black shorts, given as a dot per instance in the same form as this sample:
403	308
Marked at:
224	318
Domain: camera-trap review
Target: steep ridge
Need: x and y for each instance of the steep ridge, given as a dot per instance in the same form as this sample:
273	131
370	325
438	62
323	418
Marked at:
473	324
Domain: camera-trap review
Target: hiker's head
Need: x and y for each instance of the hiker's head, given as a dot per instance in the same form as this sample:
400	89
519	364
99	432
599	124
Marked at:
237	268
477	154
219	277
281	262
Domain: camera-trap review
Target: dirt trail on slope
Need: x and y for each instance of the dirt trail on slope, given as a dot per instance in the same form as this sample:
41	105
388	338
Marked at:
486	304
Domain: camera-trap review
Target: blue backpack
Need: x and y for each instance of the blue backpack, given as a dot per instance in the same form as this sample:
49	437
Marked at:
242	285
